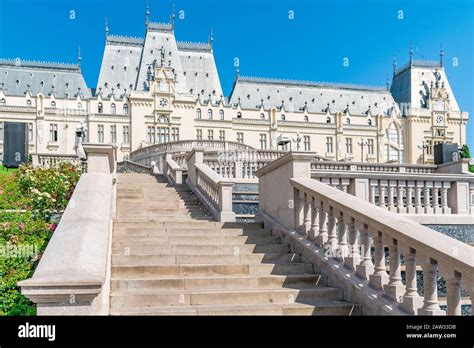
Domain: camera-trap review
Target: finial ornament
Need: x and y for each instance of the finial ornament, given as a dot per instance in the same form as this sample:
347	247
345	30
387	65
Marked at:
388	82
394	64
162	51
172	17
211	38
147	13
441	55
79	58
106	27
237	72
411	53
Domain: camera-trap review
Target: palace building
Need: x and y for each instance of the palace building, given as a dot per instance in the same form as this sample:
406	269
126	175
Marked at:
155	89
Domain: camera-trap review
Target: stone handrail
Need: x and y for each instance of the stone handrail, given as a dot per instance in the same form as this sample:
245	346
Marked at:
349	220
374	167
210	188
173	170
72	277
48	160
334	230
127	165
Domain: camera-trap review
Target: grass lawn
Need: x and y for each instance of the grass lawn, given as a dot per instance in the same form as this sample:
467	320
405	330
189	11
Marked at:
6	171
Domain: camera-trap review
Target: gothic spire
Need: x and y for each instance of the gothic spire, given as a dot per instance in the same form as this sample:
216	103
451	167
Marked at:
411	53
147	12
441	55
106	28
79	58
172	17
211	38
388	81
394	64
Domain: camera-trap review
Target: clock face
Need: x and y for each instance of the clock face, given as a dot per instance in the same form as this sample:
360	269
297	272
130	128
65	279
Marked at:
439	119
163	102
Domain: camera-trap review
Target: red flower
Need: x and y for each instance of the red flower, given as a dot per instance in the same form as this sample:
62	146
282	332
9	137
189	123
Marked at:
52	227
6	225
21	226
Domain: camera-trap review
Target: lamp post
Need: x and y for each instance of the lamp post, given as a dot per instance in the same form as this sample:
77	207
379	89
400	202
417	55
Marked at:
80	136
362	143
297	140
423	146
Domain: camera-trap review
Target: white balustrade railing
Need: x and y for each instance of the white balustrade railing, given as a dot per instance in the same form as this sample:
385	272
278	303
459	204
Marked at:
49	160
373	167
173	171
129	166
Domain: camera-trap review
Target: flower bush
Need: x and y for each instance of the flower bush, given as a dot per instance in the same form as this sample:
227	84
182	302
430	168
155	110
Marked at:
32	196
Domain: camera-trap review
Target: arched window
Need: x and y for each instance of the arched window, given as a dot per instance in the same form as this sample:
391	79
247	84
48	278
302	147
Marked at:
328	119
53	104
369	122
262	116
3	101
163	119
239	115
209	114
198	113
348	120
125	109
306	119
394	144
113	109
221	114
100	108
283	117
28	102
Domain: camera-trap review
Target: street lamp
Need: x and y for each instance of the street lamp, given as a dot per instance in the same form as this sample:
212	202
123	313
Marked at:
297	140
80	136
362	143
423	146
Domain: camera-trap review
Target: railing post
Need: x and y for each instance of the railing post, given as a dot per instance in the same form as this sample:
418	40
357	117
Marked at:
306	215
225	202
459	197
410	208
342	228
380	276
400	207
394	289
238	169
366	267
453	288
314	230
418	208
412	301
195	156
331	243
298	211
322	237
430	285
353	258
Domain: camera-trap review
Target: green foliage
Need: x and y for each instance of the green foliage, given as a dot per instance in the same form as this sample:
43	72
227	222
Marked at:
464	152
24	234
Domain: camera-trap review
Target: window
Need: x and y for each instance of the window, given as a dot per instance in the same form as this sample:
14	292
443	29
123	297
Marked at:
306	119
209	114
126	134
262	116
429	149
263	141
348	120
175	134
239	115
100	133
222	135
1	131
113	134
151	134
240	137
53	132
393	134
349	145
394	143
307	143
3	101
53	104
30	132
210	134
113	109
100	108
198	113
328	119
221	114
199	134
163	119
79	106
125	109
329	144
28	102
163	134
282	117
369	122
370	146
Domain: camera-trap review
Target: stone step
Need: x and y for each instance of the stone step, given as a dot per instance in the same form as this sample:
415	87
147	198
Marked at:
212	270
227	283
147	298
190	232
209	240
158	260
185	224
314	308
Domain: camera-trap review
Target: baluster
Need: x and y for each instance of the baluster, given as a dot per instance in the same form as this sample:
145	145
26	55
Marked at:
426	198
394	289
444	198
331	243
306	214
366	267
380	276
298	210
430	285
409	201
323	228
390	197
418	207
382	193
353	258
412	301
400	207
314	230
342	237
436	188
453	288
372	184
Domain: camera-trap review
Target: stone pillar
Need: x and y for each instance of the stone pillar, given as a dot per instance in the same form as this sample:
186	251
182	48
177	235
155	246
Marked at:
226	213
458	197
306	214
412	301
331	243
444	198
394	289
101	158
194	157
353	259
298	210
342	236
426	197
322	238
380	276
238	169
410	207
453	287
366	267
418	208
400	186
314	230
430	285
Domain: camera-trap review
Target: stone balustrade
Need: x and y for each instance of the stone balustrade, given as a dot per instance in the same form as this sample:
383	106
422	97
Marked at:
214	191
349	239
173	171
126	166
49	160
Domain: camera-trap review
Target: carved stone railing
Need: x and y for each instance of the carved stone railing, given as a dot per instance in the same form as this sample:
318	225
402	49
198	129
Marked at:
403	192
129	166
49	160
374	167
210	188
342	234
173	171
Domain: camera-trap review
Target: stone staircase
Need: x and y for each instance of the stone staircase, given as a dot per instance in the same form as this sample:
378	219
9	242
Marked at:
170	258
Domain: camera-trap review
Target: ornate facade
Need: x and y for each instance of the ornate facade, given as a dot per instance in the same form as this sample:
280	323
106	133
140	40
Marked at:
155	89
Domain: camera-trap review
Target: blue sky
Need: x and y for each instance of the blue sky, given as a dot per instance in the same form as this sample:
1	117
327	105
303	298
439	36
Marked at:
312	46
